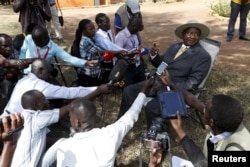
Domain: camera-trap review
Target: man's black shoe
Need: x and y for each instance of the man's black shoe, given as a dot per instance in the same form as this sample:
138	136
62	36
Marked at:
244	38
229	39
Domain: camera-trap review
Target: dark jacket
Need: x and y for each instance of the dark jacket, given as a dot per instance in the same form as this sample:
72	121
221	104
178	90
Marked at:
189	69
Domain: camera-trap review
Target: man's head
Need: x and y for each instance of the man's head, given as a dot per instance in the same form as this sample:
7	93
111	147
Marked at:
192	32
5	45
134	24
34	100
133	7
102	21
40	36
82	115
42	69
223	114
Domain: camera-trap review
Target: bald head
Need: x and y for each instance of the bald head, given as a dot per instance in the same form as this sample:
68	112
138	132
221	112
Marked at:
42	69
83	112
40	36
32	100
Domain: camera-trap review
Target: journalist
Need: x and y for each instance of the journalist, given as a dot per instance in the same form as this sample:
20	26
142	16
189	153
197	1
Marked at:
224	116
98	146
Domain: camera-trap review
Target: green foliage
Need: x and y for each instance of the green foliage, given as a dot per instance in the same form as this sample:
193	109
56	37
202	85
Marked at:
222	8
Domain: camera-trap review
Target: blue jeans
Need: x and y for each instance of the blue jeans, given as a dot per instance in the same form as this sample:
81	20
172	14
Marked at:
235	10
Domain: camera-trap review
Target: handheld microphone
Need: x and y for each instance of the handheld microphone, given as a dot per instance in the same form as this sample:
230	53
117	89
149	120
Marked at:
143	51
108	56
118	71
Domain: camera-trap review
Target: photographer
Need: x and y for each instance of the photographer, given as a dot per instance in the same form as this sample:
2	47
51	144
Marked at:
32	12
223	114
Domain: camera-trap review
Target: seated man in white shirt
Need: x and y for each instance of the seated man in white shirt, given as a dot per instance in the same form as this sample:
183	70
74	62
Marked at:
37	79
37	115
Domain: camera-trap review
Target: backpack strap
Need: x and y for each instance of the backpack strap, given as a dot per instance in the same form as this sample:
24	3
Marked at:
235	145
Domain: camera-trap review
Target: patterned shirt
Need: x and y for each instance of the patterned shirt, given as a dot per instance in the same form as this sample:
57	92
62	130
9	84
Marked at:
89	51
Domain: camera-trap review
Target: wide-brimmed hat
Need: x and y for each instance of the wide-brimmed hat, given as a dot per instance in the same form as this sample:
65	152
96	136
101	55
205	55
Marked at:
193	24
134	6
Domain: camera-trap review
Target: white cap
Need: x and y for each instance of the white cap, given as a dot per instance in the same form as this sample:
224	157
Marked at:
134	6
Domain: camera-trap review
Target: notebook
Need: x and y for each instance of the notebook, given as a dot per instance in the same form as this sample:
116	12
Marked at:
180	162
171	102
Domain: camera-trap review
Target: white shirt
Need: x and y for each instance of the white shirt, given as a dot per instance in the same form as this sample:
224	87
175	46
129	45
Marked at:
32	141
103	41
98	147
50	91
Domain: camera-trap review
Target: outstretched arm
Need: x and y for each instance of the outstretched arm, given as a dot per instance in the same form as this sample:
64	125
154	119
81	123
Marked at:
193	152
104	88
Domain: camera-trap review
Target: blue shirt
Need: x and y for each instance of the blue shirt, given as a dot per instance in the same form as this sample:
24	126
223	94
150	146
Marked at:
102	40
30	50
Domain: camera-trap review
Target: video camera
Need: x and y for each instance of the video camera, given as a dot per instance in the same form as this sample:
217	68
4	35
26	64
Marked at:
155	137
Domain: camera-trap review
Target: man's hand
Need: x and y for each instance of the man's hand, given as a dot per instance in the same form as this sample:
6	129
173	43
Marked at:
16	121
154	50
147	84
165	78
9	138
104	88
92	63
155	157
177	125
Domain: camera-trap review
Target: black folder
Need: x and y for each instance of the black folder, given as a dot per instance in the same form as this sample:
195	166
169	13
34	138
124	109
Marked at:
171	102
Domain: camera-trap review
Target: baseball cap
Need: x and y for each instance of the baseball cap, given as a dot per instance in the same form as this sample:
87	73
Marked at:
133	5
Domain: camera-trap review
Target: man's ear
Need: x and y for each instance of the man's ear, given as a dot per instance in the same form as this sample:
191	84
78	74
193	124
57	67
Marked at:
36	106
78	124
211	122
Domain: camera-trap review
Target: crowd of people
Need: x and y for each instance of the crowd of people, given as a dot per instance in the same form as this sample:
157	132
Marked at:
30	90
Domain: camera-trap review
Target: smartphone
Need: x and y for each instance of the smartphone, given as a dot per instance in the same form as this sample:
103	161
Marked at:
161	68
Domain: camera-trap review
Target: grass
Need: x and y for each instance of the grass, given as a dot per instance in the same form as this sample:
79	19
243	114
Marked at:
219	81
222	8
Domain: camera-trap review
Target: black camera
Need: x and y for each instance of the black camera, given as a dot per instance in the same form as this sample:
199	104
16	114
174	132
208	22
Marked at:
155	137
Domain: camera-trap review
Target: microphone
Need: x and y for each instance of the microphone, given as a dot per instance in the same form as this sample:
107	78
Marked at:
118	71
143	51
108	56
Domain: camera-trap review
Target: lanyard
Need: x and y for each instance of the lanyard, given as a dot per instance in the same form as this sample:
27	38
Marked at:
45	54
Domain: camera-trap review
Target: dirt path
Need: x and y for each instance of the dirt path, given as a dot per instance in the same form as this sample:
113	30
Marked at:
160	20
